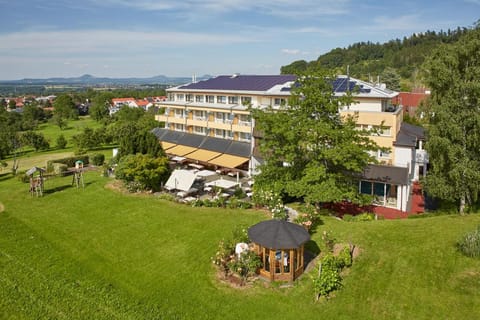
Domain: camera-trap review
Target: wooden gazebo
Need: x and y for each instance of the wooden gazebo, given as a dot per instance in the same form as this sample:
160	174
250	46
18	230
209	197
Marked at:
279	244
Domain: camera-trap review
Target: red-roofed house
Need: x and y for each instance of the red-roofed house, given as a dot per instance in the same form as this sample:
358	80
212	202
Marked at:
118	102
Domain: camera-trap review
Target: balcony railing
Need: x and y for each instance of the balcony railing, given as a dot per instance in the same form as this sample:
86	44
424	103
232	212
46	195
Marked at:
421	156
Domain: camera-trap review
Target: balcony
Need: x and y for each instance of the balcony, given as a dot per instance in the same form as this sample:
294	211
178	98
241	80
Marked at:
421	156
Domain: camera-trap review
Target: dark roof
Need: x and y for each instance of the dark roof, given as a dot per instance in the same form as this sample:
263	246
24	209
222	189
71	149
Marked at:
408	135
411	129
216	144
191	140
388	174
236	148
240	82
278	234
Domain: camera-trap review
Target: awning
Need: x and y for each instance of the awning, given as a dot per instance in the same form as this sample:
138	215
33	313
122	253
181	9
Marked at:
203	155
181	150
180	180
221	183
167	145
228	161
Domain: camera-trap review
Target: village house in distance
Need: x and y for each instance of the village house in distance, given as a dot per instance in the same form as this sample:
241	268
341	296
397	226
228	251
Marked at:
209	123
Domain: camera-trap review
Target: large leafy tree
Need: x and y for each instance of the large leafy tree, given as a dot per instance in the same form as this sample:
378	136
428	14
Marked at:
453	112
64	109
310	150
148	171
100	105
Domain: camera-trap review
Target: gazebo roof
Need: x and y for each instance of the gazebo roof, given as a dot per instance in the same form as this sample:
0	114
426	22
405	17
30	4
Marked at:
278	234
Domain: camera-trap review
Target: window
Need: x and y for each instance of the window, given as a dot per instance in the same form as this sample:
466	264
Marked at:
210	99
219	117
225	134
171	96
232	100
244	136
279	102
246	100
199	98
180	97
244	120
179	127
221	99
383	154
382	131
199	115
179	113
189	97
199	130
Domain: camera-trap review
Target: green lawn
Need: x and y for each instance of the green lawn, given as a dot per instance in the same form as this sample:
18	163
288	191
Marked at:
28	158
52	131
99	254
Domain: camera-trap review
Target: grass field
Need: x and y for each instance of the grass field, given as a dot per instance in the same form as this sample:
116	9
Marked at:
52	132
99	254
29	158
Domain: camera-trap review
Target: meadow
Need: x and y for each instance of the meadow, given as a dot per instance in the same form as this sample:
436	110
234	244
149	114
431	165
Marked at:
96	253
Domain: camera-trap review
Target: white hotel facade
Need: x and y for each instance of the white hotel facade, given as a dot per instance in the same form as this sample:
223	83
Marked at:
209	123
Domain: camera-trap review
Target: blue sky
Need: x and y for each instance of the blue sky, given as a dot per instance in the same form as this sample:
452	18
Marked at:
142	38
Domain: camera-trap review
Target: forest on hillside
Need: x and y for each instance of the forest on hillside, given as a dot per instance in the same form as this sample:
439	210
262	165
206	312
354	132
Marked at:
398	58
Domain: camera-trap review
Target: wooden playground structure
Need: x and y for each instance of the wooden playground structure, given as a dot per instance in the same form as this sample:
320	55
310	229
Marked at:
77	179
36	181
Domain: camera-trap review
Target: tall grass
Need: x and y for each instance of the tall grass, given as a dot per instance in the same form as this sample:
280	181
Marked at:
469	245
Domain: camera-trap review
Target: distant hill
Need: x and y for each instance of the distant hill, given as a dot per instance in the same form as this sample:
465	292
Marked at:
92	80
367	60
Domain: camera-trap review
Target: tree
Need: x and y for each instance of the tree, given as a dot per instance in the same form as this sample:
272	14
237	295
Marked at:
133	138
391	79
61	142
100	104
453	114
32	115
8	132
89	139
147	171
64	109
35	140
310	151
12	104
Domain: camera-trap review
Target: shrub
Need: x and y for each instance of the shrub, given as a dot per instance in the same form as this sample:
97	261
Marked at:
59	168
61	142
147	171
344	257
70	161
245	265
328	240
469	245
98	159
328	278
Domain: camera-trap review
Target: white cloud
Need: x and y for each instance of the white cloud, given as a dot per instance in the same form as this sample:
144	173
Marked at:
401	23
291	51
113	41
284	8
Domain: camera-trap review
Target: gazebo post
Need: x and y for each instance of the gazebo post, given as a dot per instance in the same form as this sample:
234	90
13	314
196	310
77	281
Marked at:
292	257
272	264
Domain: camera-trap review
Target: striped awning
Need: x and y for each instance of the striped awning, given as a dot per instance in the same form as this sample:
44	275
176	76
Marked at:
203	155
167	145
180	150
228	161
